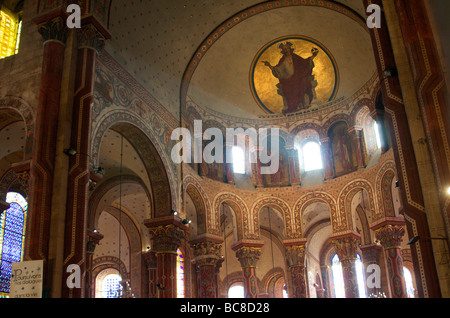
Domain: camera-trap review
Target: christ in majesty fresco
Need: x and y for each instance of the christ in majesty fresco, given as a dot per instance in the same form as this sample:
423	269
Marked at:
296	81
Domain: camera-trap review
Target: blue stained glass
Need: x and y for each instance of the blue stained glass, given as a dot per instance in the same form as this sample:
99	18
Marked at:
12	234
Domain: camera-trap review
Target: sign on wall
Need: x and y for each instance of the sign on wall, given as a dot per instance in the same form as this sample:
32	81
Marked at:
26	279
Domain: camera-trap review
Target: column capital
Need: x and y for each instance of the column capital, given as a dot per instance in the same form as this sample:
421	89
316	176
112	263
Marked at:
53	29
295	255
150	259
390	236
346	245
94	239
167	233
248	252
206	253
89	36
371	253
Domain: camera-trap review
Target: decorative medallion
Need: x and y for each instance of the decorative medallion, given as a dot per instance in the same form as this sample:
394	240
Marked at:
293	73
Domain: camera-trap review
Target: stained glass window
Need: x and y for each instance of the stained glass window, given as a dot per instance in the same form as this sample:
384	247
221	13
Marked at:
10	29
360	277
12	237
409	283
111	286
180	274
236	291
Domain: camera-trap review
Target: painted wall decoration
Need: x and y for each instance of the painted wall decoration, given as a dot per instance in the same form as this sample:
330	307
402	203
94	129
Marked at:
293	73
342	149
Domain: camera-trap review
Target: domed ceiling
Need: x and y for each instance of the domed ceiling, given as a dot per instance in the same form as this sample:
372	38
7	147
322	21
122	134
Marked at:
212	52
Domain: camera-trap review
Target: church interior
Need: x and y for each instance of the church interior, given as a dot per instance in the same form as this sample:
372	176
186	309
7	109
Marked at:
349	97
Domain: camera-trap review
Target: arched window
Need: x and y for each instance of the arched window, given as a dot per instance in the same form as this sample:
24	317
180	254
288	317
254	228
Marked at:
111	286
312	157
360	277
285	294
236	291
409	283
377	134
238	160
338	279
10	29
180	274
12	237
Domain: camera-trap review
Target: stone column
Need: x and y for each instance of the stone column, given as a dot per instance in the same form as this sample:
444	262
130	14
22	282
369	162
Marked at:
54	34
391	237
248	253
346	247
294	169
206	258
150	261
295	258
325	281
93	240
371	256
355	133
327	158
167	233
90	41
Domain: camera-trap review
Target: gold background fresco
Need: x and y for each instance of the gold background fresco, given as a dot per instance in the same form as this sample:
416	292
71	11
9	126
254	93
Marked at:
264	83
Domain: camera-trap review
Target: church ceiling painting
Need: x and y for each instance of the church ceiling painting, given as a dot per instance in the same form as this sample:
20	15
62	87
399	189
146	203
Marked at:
292	73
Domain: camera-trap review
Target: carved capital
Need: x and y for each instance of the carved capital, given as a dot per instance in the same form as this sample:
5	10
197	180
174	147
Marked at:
295	255
248	256
390	236
88	36
166	238
54	29
346	246
94	239
206	253
150	259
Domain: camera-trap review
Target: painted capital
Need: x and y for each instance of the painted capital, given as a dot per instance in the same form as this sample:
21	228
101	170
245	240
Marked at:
248	256
93	240
89	37
390	236
166	238
206	253
54	29
295	255
347	246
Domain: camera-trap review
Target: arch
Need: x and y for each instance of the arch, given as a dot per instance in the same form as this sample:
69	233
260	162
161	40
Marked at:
365	235
200	208
279	205
343	220
241	215
99	192
270	283
305	126
306	200
383	182
25	111
160	168
190	181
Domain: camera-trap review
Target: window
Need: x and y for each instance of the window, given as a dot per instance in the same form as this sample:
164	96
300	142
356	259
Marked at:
376	127
285	294
312	157
10	29
236	291
12	238
111	286
238	160
409	283
338	279
360	277
180	274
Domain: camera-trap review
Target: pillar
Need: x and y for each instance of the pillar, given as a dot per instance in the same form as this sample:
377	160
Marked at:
90	41
391	237
93	239
371	256
150	261
167	233
294	169
248	254
206	258
325	281
400	132
327	158
346	247
54	34
355	133
295	258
